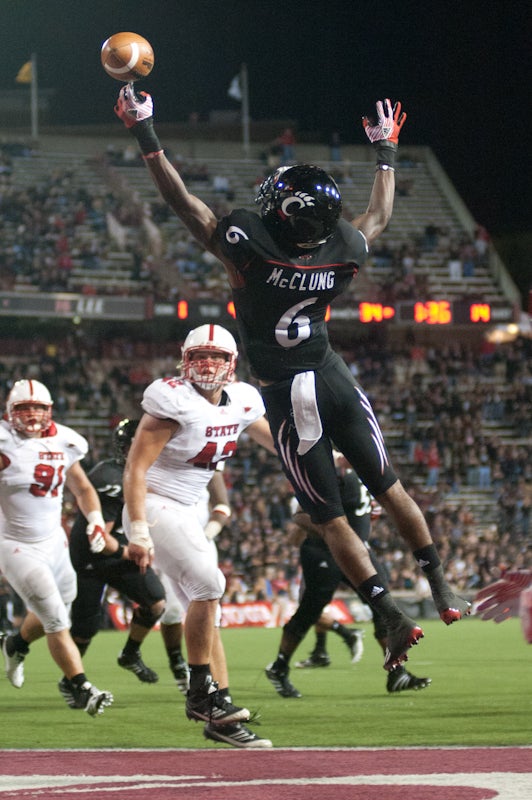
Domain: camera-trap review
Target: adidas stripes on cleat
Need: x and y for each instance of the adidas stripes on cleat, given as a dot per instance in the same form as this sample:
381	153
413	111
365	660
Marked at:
279	681
136	665
67	693
210	706
399	680
87	697
236	734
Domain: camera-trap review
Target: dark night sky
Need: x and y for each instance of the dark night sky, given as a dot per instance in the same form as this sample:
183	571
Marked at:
460	67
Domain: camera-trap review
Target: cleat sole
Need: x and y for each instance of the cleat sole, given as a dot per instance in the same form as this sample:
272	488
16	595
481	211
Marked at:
450	615
393	660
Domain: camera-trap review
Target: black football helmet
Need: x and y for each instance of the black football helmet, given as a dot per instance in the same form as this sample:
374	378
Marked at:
300	206
122	437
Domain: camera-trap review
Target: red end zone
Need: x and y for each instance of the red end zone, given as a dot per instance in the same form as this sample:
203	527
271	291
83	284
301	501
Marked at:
279	774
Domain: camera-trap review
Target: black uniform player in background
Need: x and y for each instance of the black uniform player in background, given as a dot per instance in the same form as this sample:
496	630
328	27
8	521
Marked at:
284	268
96	571
321	578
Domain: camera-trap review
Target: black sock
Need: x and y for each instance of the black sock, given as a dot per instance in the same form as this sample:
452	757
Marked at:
340	629
175	656
427	558
372	589
78	680
131	648
281	662
321	638
16	644
200	676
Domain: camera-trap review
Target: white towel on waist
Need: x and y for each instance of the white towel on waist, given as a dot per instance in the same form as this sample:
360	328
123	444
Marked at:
306	414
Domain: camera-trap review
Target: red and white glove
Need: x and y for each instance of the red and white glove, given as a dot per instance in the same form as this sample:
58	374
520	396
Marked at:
389	123
132	107
96	531
500	600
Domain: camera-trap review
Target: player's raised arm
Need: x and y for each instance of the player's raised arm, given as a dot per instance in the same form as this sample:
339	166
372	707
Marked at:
384	135
136	112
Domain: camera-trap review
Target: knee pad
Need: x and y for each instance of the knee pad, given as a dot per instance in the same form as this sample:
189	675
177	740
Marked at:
86	628
145	617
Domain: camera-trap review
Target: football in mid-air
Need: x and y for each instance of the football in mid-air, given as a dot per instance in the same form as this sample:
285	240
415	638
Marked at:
127	57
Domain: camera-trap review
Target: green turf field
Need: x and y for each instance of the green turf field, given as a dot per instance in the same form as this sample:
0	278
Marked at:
480	694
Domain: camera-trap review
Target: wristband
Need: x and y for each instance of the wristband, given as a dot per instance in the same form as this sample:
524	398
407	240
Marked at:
119	552
139	534
156	153
145	135
222	508
385	152
385	168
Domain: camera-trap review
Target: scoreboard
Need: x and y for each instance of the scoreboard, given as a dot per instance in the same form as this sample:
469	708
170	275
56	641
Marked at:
430	312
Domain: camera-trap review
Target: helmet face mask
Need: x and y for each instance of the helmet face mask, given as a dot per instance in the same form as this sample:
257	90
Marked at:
29	408
122	437
209	357
301	206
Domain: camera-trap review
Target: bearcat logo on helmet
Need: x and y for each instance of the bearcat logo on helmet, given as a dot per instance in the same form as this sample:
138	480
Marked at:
300	206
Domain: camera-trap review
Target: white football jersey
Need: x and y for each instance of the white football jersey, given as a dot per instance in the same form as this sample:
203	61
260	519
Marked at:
207	434
32	483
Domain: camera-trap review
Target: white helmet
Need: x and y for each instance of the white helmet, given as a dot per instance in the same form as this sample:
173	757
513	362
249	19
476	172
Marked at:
208	373
29	421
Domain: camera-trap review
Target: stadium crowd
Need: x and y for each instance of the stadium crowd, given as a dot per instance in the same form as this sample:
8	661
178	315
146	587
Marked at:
61	224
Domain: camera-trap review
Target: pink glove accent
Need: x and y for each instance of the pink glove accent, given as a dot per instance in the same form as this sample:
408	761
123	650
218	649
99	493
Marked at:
132	107
389	123
500	600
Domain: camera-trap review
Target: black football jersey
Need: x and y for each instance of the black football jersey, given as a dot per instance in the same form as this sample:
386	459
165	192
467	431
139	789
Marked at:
281	308
106	477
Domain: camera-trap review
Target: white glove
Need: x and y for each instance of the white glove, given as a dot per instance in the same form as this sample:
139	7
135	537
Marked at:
132	107
214	526
139	535
96	531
